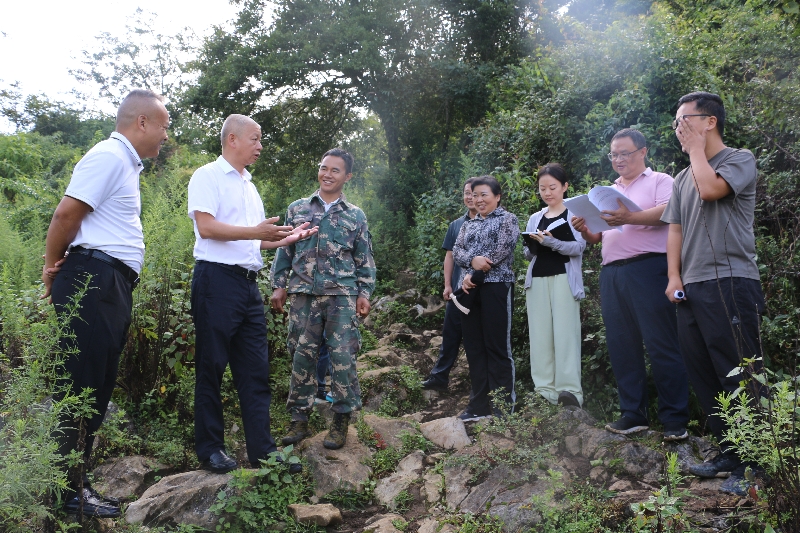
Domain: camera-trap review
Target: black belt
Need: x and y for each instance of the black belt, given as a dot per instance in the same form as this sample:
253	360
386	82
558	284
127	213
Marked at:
130	275
620	262
251	275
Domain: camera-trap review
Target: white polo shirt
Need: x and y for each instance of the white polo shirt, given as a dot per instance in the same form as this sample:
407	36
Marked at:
107	179
219	190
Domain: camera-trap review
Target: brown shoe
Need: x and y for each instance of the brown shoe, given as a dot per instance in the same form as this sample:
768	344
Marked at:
298	430
337	436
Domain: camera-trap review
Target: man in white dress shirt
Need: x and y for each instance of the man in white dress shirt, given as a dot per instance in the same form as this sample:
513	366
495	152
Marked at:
98	220
227	306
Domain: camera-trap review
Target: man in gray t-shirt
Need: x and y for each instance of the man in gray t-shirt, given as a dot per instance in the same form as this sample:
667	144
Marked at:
712	269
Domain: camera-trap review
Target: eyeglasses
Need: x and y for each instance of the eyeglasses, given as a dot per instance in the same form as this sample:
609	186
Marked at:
683	117
623	156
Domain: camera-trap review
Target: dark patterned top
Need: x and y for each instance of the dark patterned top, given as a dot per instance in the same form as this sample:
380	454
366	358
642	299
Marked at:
494	237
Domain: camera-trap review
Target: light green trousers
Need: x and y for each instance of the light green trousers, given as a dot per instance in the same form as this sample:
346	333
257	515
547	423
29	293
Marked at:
554	323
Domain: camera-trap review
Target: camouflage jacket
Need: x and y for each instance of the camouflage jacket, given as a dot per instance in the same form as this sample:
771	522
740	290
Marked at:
336	261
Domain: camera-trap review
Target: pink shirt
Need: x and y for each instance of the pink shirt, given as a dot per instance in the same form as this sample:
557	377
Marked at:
649	190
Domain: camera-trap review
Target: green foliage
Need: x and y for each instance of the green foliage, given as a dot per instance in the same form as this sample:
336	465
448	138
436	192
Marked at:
469	523
32	404
586	509
400	390
764	430
349	499
663	510
403	501
259	498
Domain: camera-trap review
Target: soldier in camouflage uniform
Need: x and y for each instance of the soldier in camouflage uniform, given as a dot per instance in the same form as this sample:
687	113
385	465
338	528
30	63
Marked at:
330	278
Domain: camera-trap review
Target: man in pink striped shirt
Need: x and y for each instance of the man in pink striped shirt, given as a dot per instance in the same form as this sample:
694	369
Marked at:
636	313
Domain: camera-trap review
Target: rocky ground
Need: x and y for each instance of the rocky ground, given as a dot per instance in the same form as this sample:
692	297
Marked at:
521	470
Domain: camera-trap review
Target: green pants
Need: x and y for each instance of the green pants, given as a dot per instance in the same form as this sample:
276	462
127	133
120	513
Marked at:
554	323
309	317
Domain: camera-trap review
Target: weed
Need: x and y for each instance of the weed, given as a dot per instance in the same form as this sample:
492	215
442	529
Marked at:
349	499
403	501
255	499
400	390
469	523
384	461
663	509
413	441
400	524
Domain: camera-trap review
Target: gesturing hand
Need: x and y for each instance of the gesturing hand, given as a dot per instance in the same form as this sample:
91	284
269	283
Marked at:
268	231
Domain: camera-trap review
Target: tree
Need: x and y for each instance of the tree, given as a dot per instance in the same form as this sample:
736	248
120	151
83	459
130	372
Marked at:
145	59
421	66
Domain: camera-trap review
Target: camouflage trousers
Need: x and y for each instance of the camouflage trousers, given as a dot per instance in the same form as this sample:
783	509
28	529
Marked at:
309	317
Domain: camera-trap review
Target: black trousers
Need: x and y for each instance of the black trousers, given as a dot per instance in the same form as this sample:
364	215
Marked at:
100	329
451	342
718	325
487	340
636	312
230	327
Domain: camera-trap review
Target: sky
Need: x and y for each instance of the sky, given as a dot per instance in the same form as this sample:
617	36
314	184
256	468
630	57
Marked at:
40	41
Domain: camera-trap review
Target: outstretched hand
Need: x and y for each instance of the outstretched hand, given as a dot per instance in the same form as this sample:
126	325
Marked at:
268	231
299	233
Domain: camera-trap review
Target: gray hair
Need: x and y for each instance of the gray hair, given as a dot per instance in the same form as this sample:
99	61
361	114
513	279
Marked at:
234	124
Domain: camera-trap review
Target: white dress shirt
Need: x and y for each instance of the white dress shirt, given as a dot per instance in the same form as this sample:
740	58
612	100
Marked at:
219	190
107	179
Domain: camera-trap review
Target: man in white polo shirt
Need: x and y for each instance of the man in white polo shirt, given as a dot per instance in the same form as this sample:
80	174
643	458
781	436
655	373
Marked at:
227	306
98	220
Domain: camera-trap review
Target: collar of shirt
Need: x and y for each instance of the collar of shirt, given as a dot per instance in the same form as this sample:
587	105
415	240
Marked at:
227	168
124	140
499	211
341	200
619	181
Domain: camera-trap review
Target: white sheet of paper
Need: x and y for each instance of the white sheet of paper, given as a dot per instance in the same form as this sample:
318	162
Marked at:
582	206
600	198
605	199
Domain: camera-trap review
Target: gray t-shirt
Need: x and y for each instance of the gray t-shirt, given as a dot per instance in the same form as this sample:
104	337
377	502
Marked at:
449	242
718	238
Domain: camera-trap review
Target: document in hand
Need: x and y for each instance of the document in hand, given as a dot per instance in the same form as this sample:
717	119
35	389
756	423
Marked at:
590	206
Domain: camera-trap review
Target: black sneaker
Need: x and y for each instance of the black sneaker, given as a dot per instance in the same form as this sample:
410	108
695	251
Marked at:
321	394
675	434
434	384
567	399
92	506
109	500
626	426
736	483
468	416
719	466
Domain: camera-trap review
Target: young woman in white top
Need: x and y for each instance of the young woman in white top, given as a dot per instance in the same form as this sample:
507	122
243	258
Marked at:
553	289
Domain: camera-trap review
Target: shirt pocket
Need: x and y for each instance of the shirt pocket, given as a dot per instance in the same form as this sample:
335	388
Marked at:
344	238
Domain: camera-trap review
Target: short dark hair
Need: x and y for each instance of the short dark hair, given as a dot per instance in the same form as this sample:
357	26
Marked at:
635	135
555	170
469	182
491	181
344	154
709	103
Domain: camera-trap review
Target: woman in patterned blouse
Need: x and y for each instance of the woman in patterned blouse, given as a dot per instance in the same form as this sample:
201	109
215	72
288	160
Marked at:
486	243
